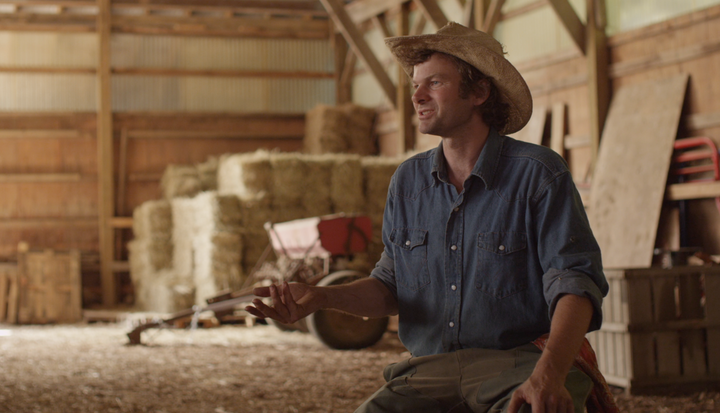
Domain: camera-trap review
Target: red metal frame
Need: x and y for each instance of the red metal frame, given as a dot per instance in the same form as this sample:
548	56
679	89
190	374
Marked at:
708	151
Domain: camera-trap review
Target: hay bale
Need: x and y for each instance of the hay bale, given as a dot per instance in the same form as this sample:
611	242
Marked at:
153	219
218	264
346	184
165	293
152	253
377	173
316	197
207	174
289	213
184	230
359	130
325	130
180	181
217	245
254	215
214	212
247	175
289	179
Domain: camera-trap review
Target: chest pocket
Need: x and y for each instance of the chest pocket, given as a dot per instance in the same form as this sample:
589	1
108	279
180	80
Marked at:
411	265
502	263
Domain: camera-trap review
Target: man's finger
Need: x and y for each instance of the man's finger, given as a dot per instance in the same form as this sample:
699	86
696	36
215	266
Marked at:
254	311
278	304
288	298
516	401
262	291
268	312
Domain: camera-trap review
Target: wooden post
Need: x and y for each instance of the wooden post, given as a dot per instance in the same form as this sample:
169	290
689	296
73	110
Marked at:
493	16
598	78
105	154
406	136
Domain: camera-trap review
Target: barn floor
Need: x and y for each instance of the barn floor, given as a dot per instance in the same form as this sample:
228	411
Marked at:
89	368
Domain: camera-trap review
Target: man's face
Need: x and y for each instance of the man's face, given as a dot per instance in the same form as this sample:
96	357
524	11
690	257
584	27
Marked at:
441	111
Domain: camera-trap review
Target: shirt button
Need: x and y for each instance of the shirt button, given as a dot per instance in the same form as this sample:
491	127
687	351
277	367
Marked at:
501	248
454	247
451	324
408	243
456	209
453	287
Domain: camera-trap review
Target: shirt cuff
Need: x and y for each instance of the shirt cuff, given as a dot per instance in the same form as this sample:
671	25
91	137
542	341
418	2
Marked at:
557	283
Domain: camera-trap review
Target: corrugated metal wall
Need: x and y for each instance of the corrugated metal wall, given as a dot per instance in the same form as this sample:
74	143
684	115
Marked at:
76	92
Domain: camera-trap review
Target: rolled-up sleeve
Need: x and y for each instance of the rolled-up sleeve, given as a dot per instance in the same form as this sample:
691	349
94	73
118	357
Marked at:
384	270
568	252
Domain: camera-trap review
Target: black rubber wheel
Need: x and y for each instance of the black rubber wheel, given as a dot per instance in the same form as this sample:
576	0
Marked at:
343	331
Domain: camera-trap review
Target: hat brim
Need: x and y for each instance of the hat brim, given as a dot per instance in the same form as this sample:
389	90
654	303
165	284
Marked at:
511	85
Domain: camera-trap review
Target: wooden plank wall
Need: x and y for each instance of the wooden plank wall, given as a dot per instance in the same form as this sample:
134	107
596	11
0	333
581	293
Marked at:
48	168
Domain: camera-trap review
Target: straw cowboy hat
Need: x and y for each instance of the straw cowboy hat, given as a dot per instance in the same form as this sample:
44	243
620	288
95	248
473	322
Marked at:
480	50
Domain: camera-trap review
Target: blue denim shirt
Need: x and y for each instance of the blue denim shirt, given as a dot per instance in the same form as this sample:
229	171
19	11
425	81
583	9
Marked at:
484	268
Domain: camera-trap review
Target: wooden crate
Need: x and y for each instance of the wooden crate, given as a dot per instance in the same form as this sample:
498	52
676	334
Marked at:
49	286
661	328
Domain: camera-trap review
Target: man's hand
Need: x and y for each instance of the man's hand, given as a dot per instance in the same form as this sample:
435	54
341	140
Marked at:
543	394
290	302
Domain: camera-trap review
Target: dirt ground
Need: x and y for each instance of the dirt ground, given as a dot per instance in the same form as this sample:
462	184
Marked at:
89	368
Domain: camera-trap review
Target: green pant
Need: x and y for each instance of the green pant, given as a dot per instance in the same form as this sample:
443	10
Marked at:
469	380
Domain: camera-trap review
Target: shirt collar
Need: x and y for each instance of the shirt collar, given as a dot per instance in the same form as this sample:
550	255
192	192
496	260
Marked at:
486	165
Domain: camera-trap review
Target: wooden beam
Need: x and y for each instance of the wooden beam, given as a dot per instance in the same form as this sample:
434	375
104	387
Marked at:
122	222
361	11
224	27
571	21
51	70
122	172
557	128
703	121
418	25
380	23
360	47
467	18
272	4
598	76
519	11
34	178
40	223
189	134
574	142
432	12
699	190
405	133
41	134
106	202
493	16
150	71
347	76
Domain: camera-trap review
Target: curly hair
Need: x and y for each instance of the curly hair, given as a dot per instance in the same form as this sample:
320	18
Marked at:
495	112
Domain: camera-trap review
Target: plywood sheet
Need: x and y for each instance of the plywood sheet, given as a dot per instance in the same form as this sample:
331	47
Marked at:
629	180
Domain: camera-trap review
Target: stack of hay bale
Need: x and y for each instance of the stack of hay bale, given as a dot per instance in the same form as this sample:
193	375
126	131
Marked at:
216	237
347	128
157	286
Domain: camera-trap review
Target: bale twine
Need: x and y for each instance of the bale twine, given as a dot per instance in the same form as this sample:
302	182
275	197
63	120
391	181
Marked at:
316	197
153	219
325	130
289	179
184	230
377	173
247	175
180	181
359	131
207	174
346	184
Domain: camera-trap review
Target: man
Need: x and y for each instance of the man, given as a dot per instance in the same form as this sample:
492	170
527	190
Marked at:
487	248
